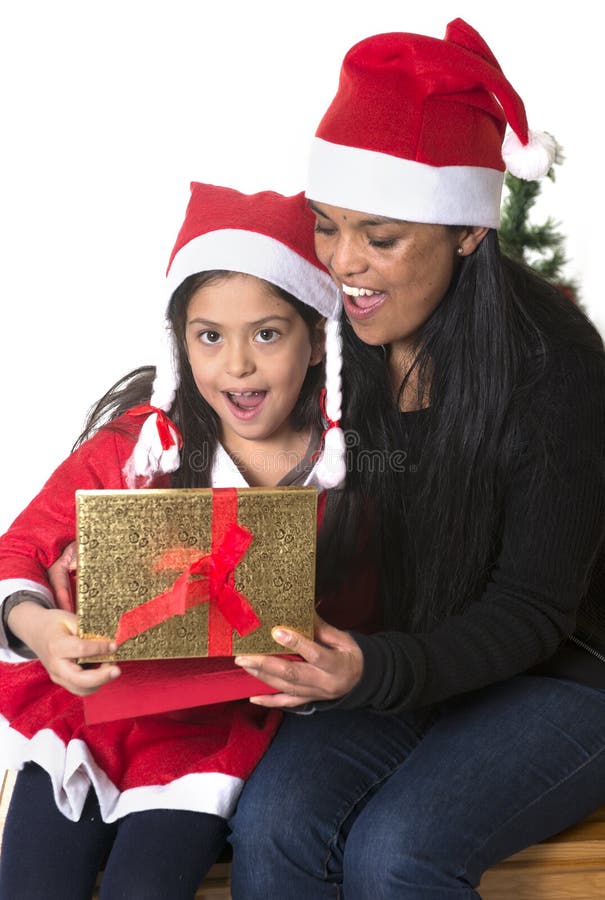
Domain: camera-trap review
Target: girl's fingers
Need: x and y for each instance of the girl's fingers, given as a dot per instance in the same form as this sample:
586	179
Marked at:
84	681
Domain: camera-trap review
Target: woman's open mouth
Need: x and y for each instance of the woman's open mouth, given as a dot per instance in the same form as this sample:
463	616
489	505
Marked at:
360	303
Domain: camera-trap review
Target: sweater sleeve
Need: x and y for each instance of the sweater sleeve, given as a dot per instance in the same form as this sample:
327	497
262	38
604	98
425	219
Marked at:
552	533
47	525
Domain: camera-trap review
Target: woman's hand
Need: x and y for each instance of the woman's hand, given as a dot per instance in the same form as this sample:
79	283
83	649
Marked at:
52	634
332	667
59	576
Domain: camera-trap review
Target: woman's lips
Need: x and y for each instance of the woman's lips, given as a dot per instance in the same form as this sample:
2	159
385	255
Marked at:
245	404
361	307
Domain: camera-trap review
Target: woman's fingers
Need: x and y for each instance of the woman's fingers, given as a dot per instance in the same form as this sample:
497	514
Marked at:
328	669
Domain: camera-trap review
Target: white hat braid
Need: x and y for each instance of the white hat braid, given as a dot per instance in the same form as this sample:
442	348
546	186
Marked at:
156	451
331	468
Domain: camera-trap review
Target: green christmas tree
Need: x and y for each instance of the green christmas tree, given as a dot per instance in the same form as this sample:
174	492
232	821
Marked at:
538	246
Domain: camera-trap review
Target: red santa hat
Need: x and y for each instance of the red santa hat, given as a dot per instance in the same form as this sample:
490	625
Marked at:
271	237
416	131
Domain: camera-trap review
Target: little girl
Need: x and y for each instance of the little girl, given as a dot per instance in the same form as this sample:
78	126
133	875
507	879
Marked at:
234	402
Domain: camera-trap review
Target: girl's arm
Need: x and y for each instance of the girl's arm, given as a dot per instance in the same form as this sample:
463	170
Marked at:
41	532
35	540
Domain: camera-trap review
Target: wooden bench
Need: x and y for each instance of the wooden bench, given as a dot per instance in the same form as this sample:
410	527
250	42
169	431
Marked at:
569	866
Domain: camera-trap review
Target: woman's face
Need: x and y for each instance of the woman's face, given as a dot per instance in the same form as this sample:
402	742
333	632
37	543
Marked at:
393	274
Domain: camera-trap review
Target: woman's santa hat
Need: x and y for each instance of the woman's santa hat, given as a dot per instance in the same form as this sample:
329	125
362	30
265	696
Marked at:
271	237
417	128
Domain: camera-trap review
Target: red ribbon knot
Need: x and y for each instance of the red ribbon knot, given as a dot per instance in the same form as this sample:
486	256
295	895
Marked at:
208	579
167	430
331	423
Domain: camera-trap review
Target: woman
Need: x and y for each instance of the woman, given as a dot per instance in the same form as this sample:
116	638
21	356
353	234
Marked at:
473	725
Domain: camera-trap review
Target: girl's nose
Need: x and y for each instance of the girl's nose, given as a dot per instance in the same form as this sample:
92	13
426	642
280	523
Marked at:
239	359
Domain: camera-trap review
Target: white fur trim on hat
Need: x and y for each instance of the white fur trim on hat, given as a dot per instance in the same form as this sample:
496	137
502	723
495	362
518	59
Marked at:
386	185
237	250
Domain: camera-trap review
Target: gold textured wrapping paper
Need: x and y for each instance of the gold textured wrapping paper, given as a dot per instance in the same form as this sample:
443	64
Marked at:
133	545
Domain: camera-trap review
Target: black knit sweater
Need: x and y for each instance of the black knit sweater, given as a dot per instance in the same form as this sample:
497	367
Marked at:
549	578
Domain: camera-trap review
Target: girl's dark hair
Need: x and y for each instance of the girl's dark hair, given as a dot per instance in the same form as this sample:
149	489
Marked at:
195	418
478	355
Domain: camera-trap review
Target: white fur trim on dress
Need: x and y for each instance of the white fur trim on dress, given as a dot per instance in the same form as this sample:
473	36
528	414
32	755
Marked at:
237	250
384	185
73	770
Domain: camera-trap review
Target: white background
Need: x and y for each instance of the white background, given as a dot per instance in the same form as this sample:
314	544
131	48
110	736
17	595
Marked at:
108	111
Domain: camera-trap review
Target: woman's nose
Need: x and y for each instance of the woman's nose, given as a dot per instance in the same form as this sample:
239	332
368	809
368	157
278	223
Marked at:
347	258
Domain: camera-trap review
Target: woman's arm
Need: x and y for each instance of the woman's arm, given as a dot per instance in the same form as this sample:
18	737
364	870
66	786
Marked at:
553	530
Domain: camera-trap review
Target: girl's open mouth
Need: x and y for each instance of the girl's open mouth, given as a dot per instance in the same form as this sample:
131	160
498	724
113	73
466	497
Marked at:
245	404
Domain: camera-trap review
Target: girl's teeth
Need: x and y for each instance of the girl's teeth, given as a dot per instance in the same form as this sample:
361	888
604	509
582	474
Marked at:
246	399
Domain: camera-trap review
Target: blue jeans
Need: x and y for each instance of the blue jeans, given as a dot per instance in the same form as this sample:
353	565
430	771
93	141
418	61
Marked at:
417	805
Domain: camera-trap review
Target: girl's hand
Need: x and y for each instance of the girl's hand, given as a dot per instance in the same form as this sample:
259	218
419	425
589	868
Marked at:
332	667
52	634
59	576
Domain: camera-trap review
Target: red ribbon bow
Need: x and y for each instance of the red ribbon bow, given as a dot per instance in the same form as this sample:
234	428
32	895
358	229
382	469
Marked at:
165	426
331	423
228	607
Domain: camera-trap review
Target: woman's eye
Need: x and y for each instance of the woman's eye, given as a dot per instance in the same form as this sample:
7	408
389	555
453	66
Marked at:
210	337
267	335
324	229
382	243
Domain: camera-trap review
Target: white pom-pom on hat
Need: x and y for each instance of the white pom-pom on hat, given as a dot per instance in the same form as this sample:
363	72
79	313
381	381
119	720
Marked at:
532	160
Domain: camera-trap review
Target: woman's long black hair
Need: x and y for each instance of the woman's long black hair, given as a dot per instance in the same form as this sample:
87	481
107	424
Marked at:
195	418
435	531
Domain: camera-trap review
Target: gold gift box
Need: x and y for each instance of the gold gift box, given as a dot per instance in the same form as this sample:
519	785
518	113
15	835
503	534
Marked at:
122	535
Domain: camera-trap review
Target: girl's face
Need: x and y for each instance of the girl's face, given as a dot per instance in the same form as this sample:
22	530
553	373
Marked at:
249	351
393	274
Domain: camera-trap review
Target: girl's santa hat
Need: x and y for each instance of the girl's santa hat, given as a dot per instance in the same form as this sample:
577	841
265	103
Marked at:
416	131
271	237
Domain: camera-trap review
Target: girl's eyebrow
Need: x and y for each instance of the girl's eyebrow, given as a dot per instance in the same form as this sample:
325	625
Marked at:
209	324
363	223
270	319
198	321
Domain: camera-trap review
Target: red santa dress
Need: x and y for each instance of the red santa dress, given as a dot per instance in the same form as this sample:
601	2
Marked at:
196	759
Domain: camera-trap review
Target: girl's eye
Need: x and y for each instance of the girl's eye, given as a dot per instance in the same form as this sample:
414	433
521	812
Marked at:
210	337
267	335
